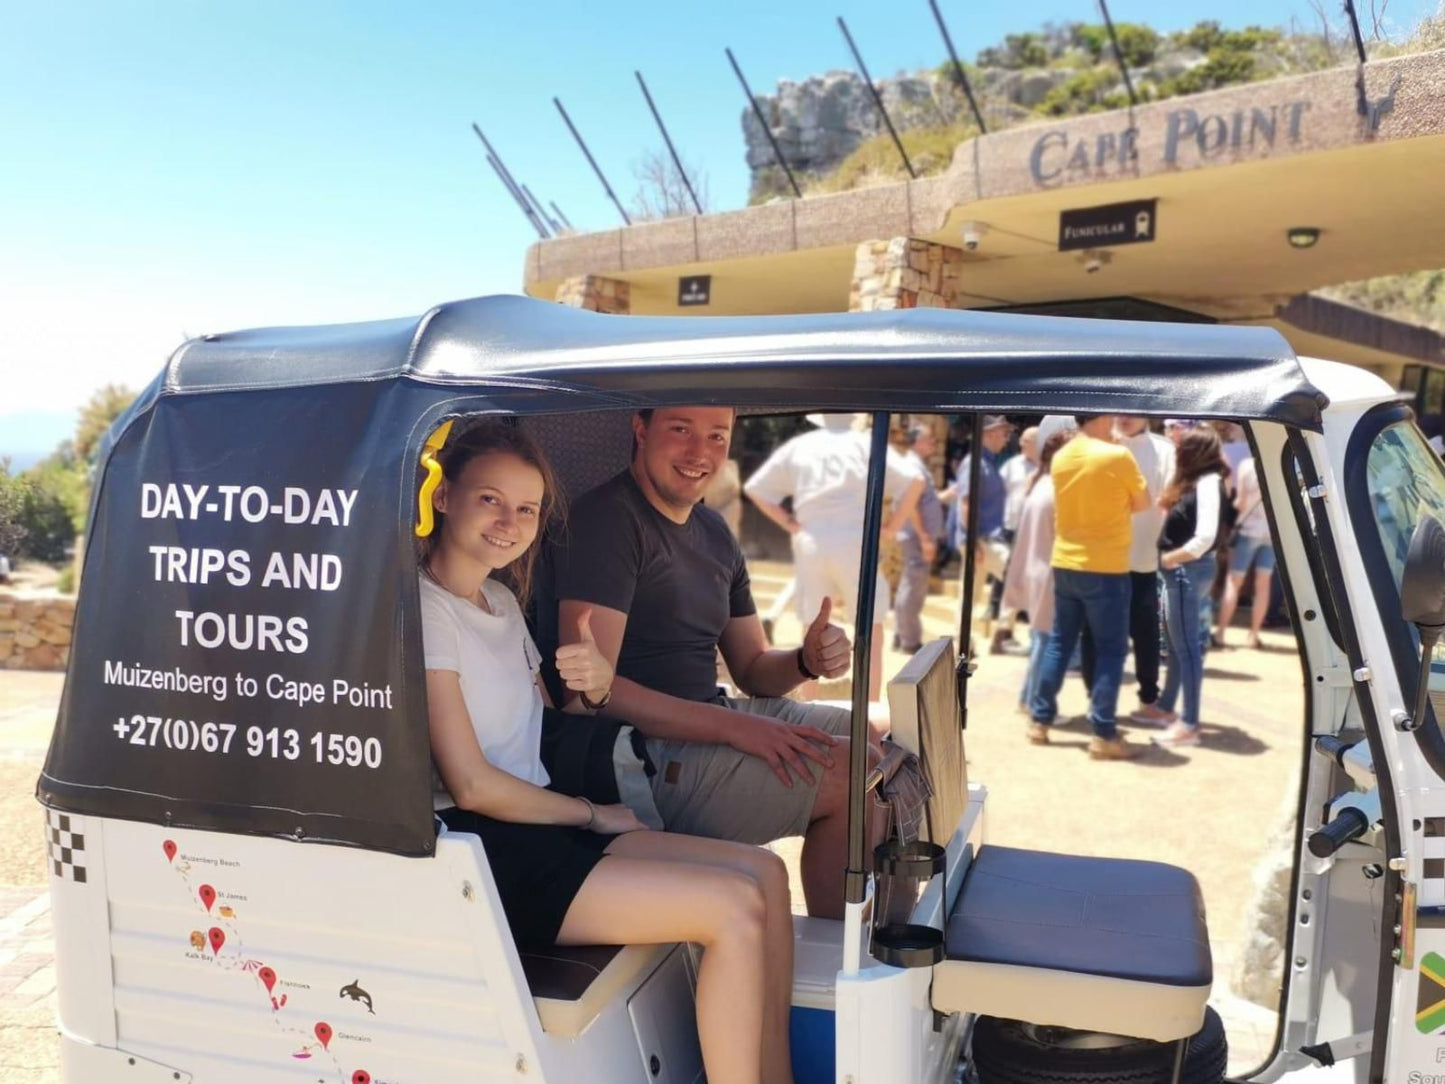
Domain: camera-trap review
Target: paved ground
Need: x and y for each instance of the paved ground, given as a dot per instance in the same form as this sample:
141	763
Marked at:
1209	808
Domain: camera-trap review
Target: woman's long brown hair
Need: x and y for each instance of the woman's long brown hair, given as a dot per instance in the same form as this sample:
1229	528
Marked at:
484	438
1198	454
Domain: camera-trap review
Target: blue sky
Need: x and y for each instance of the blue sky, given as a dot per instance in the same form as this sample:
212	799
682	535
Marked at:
172	169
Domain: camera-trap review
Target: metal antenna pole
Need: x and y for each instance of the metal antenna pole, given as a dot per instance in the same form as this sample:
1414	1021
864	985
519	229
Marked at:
595	167
541	231
552	204
877	99
510	183
958	72
1118	53
1362	99
551	222
668	140
763	123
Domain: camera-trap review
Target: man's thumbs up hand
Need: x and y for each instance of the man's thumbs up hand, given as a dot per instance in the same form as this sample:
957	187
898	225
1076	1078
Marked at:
581	665
826	649
584	626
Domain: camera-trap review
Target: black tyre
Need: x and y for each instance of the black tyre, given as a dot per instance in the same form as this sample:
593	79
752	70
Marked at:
1013	1052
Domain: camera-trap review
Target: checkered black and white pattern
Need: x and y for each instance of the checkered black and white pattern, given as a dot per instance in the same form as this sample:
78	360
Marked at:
66	846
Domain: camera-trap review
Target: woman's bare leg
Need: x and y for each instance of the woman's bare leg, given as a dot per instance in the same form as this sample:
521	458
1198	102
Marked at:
771	875
1228	604
640	901
1261	604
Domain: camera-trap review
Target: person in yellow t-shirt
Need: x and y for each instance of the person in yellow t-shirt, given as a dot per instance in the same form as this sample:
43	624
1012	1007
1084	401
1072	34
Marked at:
1097	490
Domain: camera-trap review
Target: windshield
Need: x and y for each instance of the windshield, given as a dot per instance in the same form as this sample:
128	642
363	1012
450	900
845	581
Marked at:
1406	481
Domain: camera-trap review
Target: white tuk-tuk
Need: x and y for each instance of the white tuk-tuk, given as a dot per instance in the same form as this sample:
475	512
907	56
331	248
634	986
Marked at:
248	884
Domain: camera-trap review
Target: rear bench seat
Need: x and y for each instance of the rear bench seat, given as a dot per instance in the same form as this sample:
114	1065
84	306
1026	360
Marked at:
571	985
1094	944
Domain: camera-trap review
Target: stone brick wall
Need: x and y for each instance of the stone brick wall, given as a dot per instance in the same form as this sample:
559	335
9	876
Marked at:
904	273
596	293
35	631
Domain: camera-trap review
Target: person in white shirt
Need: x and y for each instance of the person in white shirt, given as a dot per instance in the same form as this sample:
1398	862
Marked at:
1252	548
1155	456
1016	473
825	473
918	539
569	871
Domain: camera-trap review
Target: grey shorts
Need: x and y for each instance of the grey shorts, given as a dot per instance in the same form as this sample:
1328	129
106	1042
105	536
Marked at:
716	791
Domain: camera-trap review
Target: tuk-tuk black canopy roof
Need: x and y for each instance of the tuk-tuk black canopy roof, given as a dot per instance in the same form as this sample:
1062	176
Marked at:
916	359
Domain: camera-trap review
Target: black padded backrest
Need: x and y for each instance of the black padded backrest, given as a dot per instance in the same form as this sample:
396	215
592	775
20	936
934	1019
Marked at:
584	449
923	710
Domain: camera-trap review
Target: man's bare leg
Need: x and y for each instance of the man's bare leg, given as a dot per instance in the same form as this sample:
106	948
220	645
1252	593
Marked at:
825	846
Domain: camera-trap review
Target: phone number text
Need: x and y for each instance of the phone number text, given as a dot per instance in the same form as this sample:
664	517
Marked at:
187	735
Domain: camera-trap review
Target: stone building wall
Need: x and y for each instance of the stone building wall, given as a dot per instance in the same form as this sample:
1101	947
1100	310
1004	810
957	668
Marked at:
35	631
904	273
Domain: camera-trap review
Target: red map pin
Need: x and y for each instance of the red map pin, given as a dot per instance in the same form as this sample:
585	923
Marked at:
169	846
361	1076
323	1032
208	895
268	977
218	938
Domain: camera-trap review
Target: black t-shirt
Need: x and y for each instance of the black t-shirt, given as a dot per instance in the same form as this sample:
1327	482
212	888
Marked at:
679	584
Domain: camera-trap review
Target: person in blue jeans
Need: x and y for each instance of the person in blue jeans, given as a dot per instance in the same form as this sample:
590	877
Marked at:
1097	490
1192	502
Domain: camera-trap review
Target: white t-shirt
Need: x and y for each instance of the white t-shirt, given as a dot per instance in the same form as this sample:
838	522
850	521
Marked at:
826	474
1155	456
497	662
1015	474
1253	523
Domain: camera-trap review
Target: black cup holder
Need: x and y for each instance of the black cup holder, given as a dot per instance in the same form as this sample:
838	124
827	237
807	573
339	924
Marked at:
907	945
920	860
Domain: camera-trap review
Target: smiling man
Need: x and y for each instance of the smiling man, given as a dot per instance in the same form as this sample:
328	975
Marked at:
667	588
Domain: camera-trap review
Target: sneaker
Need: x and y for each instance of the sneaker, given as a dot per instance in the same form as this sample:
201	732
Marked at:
1177	736
1117	748
1038	733
1004	644
1152	715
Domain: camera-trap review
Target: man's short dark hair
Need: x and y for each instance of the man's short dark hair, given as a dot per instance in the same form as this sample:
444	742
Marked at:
646	415
1084	419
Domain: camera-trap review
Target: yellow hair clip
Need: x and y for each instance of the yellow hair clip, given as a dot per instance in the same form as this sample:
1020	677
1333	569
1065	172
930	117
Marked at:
426	521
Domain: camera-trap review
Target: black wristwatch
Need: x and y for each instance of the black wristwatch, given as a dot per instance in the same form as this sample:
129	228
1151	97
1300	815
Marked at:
803	667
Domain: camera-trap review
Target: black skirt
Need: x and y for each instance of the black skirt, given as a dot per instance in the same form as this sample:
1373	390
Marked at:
539	869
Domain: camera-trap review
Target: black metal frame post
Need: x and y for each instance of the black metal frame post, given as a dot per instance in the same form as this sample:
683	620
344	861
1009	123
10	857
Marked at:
592	161
1362	99
958	72
668	140
1118	53
855	881
877	98
970	571
763	122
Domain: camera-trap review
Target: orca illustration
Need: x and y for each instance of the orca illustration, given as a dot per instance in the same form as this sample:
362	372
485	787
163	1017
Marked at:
356	993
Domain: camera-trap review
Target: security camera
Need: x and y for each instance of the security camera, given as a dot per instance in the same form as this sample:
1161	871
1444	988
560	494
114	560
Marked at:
1094	259
973	234
1092	264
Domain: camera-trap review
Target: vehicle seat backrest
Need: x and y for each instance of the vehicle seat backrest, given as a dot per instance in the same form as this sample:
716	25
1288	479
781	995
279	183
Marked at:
584	449
923	708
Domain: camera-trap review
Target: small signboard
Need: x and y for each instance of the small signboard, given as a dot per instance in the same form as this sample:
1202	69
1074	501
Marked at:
694	290
1112	224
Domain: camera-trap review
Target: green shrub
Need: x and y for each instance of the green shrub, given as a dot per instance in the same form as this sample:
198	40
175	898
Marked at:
12	530
45	515
65	582
876	161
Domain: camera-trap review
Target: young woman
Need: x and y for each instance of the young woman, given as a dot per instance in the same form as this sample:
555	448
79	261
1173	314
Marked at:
1191	504
569	871
1029	583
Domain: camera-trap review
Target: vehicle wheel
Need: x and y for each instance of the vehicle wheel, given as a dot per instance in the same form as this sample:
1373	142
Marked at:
1013	1052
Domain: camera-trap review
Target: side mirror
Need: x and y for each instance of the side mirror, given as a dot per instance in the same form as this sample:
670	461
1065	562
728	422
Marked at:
1422	600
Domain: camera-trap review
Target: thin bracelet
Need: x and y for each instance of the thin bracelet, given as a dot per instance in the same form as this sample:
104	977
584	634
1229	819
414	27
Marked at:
591	814
803	667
